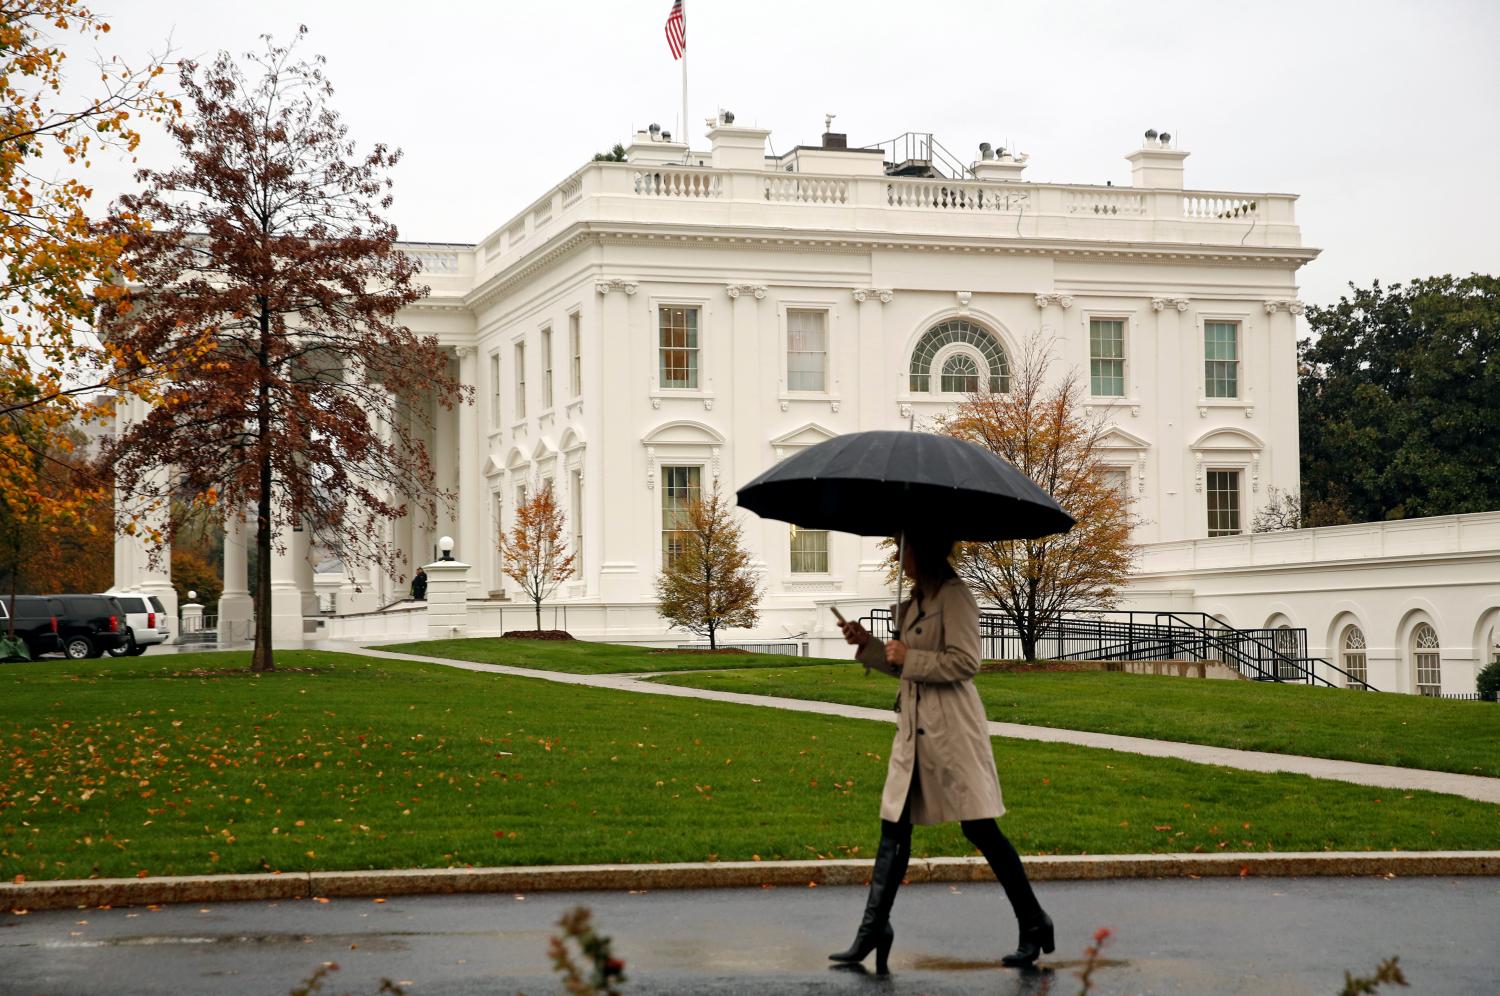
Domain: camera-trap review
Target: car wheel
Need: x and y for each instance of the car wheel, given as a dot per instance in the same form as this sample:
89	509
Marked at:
79	647
136	649
128	648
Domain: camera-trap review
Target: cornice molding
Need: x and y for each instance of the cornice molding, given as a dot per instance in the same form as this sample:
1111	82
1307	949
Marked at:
1289	305
1163	303
758	291
882	294
615	284
1063	301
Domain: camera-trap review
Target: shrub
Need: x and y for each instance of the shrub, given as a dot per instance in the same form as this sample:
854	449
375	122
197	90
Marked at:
1488	681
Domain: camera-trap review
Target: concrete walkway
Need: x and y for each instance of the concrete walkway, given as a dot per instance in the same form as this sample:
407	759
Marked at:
1375	775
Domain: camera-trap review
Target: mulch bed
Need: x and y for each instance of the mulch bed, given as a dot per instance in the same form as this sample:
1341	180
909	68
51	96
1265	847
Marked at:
705	650
536	634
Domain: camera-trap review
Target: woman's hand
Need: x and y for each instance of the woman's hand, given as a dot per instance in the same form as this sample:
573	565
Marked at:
895	652
855	633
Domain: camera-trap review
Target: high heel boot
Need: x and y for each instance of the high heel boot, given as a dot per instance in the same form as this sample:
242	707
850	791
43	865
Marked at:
875	931
1036	939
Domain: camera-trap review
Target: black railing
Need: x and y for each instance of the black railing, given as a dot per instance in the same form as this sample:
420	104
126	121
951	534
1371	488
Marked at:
1261	654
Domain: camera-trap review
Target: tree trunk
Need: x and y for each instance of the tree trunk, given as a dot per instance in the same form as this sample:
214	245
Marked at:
713	643
261	659
537	604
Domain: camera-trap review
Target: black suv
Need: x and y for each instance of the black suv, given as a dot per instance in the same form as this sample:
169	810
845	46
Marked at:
38	621
90	625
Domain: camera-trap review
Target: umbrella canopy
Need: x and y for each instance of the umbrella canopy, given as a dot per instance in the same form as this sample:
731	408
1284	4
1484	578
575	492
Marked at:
881	483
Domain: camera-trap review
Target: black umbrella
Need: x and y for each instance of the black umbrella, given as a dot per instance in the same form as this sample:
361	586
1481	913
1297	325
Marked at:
883	483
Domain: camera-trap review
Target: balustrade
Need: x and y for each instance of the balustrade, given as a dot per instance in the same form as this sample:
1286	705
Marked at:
678	183
807	189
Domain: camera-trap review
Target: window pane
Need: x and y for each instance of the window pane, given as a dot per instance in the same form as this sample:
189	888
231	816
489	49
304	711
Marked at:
679	347
546	369
809	551
494	389
520	380
1223	503
1221	360
997	375
575	351
1107	357
960	374
680	488
806	350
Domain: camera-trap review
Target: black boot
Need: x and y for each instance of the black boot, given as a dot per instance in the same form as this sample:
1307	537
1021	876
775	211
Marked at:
1036	939
875	932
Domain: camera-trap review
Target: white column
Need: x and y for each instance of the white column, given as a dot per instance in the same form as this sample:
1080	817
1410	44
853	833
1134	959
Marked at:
619	574
447	599
236	607
747	435
306	580
286	596
1176	409
878	391
445	460
473	496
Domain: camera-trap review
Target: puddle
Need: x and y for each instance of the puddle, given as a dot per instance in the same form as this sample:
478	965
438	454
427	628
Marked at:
941	963
366	942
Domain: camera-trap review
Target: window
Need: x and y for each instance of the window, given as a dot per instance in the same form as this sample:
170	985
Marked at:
990	364
1107	357
497	527
575	482
681	488
520	496
1118	479
494	389
575	354
520	380
1352	654
1288	664
960	374
1223	503
1221	360
809	551
806	350
679	347
546	369
1428	660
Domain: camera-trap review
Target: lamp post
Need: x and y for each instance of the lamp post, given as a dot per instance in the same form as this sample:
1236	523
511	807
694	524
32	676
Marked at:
446	545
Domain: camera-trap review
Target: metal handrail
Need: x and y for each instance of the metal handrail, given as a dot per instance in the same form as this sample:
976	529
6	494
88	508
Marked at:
920	146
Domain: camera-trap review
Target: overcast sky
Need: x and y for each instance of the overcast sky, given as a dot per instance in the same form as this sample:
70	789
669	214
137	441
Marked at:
1382	115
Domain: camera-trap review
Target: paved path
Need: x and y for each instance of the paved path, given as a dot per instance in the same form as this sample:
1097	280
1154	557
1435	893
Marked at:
1173	938
1377	775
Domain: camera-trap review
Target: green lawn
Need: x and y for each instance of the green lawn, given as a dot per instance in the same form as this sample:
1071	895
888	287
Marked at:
1406	730
131	766
582	657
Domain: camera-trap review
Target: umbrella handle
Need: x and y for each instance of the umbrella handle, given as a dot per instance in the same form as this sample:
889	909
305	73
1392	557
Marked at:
900	583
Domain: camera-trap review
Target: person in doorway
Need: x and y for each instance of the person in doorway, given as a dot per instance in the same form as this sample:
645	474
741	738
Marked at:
419	585
942	766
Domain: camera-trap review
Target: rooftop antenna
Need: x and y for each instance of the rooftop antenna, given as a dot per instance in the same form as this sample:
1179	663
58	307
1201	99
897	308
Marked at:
828	121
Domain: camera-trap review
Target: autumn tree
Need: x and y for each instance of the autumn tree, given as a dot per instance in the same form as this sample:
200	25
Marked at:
268	242
1043	429
706	583
534	554
55	264
1282	510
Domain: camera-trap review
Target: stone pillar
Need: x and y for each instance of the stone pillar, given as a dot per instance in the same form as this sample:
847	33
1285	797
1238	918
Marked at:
286	596
236	607
878	409
1177	394
136	569
445	458
192	619
1284	470
746	435
473	496
619	531
447	599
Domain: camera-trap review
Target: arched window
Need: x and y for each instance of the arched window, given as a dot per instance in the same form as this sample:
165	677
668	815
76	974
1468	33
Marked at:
1352	655
960	338
960	374
1427	658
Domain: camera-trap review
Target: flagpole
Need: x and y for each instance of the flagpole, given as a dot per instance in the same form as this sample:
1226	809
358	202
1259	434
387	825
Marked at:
686	141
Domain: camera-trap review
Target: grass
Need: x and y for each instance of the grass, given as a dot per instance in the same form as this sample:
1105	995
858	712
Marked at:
1405	730
582	657
143	766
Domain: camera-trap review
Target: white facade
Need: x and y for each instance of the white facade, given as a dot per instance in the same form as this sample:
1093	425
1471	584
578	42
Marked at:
690	317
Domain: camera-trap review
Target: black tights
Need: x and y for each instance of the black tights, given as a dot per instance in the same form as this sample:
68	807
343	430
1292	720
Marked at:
997	850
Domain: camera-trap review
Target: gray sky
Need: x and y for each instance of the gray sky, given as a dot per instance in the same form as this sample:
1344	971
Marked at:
1381	114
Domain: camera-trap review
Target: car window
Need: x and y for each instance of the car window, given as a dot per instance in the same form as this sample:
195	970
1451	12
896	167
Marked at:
156	604
133	604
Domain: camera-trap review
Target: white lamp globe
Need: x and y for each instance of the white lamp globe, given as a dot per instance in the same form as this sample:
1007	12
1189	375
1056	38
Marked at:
446	545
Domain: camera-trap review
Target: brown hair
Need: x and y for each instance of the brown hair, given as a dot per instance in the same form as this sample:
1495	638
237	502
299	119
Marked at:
932	554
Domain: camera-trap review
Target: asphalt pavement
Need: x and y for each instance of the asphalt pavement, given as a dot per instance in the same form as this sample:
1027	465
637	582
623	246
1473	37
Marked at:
1180	936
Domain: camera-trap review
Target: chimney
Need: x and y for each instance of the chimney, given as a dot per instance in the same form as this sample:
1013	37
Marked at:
648	148
734	147
835	140
1156	165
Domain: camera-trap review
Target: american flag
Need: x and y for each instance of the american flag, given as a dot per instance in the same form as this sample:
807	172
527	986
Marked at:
676	30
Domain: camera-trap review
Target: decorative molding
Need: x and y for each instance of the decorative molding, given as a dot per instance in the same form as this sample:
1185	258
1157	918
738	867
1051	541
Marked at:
1163	303
905	410
786	406
1249	411
1140	474
650	468
715	453
758	291
1135	411
1198	472
615	284
964	297
882	294
1255	474
463	352
656	403
1202	412
1063	301
708	404
1290	305
833	406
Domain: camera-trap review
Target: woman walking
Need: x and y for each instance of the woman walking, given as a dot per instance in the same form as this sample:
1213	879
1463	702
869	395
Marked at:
942	766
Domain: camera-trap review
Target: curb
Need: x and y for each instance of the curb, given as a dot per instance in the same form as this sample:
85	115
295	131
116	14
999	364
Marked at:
82	893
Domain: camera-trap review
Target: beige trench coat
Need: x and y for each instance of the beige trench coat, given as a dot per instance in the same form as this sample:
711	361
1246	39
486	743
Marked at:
941	731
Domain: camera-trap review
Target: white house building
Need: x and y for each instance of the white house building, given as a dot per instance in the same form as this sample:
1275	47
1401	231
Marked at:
648	328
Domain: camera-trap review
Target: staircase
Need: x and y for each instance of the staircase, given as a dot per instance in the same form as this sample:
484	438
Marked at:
918	154
1278	655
